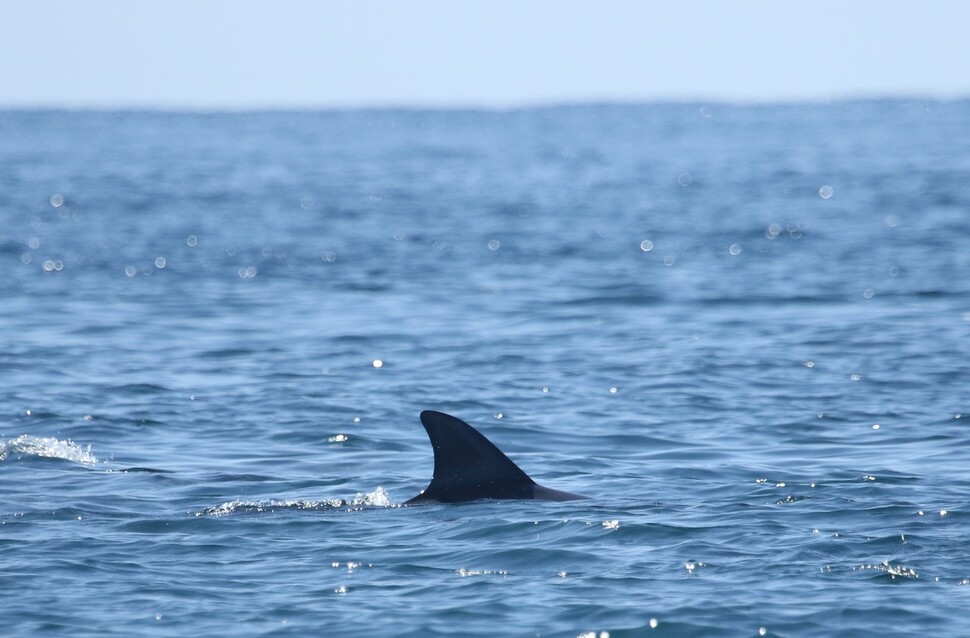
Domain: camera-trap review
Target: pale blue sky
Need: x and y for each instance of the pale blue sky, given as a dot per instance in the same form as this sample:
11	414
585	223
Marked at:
304	53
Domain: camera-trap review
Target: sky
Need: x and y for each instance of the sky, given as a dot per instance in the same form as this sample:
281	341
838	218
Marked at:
243	54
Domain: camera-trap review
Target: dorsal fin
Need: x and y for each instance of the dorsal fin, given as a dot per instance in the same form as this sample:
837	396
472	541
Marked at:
467	466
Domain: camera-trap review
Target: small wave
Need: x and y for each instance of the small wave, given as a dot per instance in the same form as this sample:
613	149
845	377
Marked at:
377	498
139	388
226	353
26	446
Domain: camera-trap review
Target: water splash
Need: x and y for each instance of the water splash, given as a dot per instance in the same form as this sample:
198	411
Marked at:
377	498
26	446
465	573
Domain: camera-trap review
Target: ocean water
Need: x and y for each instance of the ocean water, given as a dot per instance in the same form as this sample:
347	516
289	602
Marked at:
743	331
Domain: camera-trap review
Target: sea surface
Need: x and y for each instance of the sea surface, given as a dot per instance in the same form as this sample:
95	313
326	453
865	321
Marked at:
744	331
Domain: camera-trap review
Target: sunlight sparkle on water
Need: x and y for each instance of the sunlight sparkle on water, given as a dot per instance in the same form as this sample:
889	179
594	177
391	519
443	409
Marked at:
465	573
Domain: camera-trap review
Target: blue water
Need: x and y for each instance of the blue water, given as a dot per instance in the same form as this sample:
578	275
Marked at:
744	331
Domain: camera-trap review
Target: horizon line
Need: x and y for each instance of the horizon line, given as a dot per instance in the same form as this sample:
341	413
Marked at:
458	105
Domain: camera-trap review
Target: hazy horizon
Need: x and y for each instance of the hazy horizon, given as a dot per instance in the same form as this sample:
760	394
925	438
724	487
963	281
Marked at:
336	108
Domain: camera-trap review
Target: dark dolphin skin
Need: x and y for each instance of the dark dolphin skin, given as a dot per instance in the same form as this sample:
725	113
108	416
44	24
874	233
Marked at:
468	467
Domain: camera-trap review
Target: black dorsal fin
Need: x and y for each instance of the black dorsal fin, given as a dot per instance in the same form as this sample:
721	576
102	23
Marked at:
468	467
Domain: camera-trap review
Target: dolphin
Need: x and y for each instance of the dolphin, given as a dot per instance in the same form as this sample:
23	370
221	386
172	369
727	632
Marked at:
468	467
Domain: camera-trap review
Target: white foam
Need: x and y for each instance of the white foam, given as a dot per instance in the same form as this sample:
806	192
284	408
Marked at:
377	498
270	505
26	445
